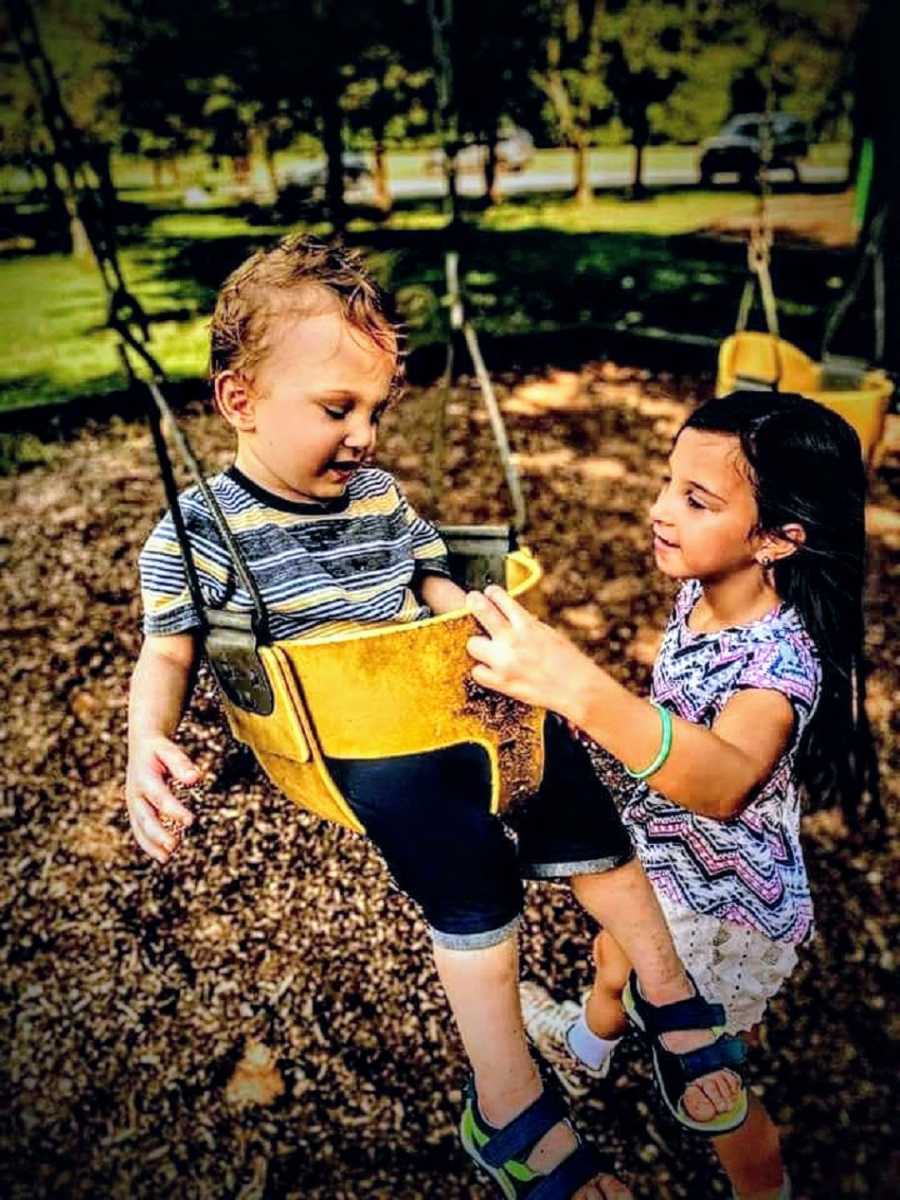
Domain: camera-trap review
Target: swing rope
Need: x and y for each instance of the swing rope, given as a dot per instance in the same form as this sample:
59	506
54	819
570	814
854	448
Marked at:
441	15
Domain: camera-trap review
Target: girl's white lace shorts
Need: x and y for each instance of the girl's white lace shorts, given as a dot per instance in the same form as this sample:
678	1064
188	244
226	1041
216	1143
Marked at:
732	964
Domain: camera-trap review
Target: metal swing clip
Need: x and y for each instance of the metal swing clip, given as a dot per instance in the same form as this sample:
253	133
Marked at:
477	553
232	649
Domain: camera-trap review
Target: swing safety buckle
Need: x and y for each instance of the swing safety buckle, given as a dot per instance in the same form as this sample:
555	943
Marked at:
232	648
842	373
477	553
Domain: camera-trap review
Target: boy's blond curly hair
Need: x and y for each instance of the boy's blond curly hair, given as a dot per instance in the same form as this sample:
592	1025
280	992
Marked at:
294	278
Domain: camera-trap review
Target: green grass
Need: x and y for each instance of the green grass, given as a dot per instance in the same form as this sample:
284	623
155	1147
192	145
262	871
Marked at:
660	215
533	264
52	317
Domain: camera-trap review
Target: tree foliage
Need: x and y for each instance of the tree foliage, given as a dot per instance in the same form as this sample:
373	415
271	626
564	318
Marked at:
160	77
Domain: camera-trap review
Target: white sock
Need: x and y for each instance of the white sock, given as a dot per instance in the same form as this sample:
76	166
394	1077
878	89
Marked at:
593	1051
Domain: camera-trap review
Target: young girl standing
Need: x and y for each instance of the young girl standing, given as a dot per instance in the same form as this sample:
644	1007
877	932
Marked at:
754	697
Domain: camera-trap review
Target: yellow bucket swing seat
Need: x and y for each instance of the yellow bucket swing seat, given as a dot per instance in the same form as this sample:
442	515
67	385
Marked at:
851	387
859	394
372	694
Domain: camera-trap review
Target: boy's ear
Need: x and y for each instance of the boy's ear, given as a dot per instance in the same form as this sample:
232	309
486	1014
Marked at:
782	544
236	400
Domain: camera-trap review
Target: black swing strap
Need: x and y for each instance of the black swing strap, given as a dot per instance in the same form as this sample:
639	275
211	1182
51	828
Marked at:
231	639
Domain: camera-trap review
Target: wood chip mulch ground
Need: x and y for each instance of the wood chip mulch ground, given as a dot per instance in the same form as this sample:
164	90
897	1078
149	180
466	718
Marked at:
261	1018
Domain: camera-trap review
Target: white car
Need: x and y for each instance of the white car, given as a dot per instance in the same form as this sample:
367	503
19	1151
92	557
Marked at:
515	150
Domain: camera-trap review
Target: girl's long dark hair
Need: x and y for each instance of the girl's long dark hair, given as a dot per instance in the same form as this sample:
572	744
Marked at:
806	468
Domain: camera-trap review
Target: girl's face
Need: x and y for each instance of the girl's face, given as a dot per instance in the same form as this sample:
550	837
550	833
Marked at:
310	417
704	518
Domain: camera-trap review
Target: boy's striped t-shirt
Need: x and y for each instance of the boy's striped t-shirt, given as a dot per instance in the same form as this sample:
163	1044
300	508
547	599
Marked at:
321	569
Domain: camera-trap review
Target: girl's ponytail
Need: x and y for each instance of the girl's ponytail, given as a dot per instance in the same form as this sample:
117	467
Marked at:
807	469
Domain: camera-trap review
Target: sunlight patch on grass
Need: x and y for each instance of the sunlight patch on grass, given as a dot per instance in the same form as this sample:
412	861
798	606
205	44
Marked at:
208	225
52	317
661	215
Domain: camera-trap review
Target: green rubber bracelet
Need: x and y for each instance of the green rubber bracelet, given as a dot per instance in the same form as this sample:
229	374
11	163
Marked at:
665	745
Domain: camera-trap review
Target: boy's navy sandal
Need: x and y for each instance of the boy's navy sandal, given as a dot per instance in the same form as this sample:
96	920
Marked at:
675	1072
502	1153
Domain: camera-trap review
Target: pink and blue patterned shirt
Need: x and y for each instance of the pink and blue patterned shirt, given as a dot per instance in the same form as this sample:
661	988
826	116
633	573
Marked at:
749	869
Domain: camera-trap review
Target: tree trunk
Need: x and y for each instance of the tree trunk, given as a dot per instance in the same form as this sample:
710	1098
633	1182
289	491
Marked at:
78	238
584	193
492	192
101	160
382	191
240	170
56	201
268	156
640	138
638	190
450	151
333	143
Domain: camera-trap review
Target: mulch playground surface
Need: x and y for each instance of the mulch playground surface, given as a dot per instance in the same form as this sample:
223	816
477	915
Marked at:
261	1018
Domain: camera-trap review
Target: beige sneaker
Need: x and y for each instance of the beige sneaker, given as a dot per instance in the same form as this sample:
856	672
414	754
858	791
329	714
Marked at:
547	1023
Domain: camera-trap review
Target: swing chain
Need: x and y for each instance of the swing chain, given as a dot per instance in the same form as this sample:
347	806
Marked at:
761	240
759	259
230	639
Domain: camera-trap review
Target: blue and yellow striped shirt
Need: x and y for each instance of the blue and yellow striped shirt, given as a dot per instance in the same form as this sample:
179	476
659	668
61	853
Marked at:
321	569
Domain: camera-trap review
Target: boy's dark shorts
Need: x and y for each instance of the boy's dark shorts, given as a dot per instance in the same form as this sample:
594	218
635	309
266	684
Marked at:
429	816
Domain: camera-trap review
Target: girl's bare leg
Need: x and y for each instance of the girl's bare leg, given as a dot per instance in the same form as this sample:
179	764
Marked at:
482	988
751	1156
623	901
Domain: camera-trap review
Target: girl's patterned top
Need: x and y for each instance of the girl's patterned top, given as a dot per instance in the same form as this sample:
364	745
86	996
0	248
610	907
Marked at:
321	569
748	869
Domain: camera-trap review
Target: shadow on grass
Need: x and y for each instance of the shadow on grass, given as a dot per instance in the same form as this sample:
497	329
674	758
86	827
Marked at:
535	279
52	421
538	295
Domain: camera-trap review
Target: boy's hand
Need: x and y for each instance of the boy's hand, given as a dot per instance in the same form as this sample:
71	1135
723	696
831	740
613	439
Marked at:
157	817
522	656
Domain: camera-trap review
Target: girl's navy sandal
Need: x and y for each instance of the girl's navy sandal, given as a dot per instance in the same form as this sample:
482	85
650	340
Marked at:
675	1072
502	1153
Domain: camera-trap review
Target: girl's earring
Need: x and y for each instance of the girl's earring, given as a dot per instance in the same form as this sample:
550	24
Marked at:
765	562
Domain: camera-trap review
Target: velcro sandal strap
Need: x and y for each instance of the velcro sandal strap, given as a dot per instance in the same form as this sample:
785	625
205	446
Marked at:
727	1052
572	1173
693	1013
525	1130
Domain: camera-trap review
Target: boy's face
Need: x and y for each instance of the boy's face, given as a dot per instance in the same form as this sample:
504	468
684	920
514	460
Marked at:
311	413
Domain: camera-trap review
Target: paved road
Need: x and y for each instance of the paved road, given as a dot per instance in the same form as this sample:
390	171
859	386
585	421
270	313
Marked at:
472	183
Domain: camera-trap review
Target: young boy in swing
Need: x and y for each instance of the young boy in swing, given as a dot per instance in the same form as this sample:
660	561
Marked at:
304	362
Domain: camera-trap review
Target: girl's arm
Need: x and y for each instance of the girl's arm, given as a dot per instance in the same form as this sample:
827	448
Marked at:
710	771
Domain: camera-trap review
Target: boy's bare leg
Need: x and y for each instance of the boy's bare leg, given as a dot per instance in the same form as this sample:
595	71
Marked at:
623	901
482	988
603	1009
